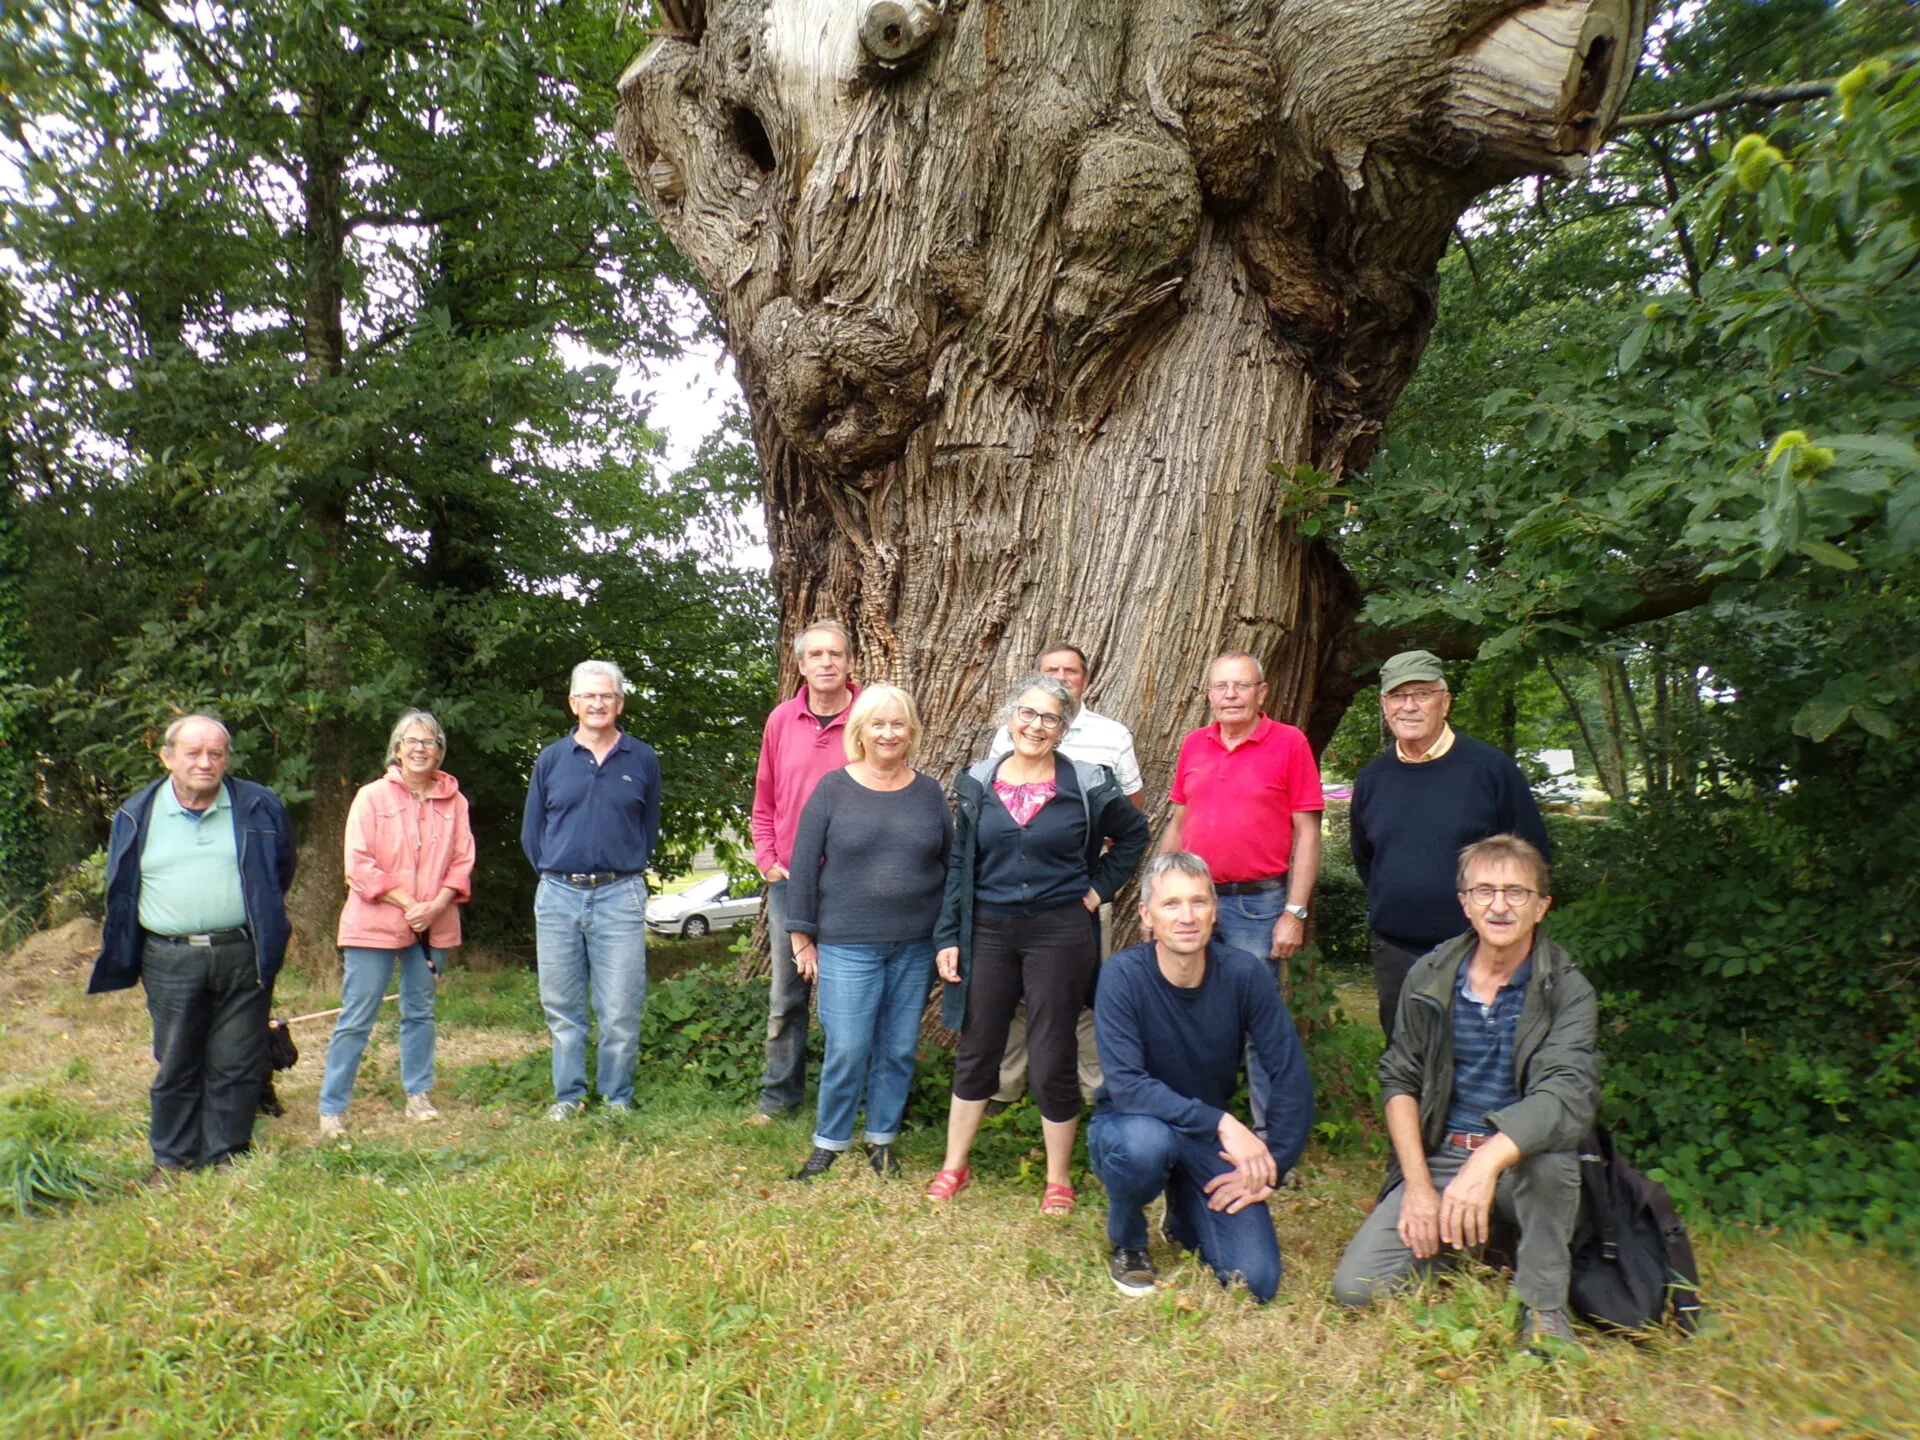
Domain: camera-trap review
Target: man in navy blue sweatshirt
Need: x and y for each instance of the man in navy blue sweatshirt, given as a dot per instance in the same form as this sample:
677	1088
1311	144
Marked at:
1173	1018
1415	808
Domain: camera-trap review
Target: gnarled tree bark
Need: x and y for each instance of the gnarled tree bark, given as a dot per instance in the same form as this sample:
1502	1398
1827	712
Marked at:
1026	296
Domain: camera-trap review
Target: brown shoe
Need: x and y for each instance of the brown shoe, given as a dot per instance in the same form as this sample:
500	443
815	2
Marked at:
161	1177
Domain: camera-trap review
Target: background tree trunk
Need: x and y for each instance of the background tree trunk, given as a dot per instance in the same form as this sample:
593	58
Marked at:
313	904
1026	299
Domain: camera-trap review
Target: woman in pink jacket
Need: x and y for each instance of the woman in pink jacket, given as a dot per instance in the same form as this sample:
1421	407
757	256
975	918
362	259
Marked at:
409	864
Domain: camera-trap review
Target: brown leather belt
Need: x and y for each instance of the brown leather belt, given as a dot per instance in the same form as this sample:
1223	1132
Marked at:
1467	1140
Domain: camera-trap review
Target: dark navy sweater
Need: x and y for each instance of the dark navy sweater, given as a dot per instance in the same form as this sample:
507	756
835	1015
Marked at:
869	866
1410	823
1174	1053
1025	870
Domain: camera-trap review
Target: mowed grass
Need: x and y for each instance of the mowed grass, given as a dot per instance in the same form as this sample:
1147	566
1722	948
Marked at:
499	1275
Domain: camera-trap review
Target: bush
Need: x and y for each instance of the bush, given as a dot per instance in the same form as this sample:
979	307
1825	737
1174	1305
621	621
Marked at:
1755	964
701	1025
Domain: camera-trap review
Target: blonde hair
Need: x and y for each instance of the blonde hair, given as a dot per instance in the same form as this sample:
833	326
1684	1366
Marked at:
870	701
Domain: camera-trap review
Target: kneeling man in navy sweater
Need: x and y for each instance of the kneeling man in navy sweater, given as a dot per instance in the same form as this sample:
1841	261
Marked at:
1173	1018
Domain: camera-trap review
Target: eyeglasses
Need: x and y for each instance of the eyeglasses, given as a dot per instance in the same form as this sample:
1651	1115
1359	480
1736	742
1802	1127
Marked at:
1513	894
1045	719
414	742
1234	687
598	698
1419	697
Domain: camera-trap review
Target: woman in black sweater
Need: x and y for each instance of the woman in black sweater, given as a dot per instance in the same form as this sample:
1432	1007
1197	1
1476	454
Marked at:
1029	870
869	866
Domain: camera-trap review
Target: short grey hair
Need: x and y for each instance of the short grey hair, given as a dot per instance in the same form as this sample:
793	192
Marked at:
408	719
1511	849
1174	862
1046	685
181	722
1259	670
832	627
605	669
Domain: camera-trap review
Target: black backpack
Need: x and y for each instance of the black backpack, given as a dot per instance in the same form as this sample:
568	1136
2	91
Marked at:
1633	1265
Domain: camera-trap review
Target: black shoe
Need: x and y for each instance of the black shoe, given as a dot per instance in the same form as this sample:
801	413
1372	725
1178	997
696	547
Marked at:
883	1161
818	1163
1132	1271
999	1107
1547	1333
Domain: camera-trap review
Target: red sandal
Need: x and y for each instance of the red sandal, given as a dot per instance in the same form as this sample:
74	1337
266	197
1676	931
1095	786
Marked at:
1058	1201
948	1183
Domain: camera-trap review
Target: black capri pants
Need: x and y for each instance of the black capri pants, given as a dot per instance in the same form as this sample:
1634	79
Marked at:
1051	962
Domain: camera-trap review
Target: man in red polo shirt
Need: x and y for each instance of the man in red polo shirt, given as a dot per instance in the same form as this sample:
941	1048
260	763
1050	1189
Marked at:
803	740
1246	799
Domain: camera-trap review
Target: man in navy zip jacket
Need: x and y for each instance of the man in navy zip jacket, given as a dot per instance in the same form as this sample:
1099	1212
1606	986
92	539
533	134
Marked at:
1174	1018
198	867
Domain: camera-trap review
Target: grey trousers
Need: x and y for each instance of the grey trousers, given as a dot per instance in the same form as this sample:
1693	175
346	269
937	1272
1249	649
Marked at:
1541	1195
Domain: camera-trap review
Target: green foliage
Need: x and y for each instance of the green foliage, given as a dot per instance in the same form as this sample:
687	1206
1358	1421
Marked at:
705	1026
1756	965
1753	422
44	1162
295	309
703	1030
22	845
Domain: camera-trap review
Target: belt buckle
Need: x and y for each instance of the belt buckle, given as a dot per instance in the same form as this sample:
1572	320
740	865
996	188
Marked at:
205	942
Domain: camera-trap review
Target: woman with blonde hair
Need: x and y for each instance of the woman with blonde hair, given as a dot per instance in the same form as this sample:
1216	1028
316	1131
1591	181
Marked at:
409	857
869	866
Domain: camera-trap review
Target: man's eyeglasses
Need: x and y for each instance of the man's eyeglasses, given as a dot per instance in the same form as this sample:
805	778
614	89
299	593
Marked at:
1045	719
596	699
1233	687
1487	894
1419	697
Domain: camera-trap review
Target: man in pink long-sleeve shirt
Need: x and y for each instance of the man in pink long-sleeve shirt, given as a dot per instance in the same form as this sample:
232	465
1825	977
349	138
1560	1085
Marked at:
804	739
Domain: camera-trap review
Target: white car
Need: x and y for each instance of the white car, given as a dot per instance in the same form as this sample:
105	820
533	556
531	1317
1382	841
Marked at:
704	906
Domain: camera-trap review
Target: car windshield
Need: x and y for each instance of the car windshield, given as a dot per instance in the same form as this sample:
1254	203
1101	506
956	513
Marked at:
711	888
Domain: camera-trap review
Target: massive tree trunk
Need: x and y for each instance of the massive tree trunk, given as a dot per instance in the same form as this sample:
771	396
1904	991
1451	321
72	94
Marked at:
1026	297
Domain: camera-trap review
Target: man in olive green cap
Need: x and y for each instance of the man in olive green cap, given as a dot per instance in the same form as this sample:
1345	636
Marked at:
1415	807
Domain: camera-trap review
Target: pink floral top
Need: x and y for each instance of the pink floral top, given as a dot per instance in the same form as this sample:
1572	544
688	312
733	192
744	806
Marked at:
1023	802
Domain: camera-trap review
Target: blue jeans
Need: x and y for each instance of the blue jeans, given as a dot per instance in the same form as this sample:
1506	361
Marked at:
1246	922
209	1013
362	987
1138	1158
592	941
871	1000
784	1086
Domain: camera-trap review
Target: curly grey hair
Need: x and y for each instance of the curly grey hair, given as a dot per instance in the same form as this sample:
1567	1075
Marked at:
1046	685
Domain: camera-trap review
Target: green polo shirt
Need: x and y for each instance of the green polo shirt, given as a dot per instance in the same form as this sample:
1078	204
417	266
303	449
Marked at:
190	868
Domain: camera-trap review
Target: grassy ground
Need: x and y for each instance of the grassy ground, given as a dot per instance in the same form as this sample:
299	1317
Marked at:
498	1275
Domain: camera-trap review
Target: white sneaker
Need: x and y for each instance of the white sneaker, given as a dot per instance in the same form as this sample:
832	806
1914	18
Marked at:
333	1127
420	1109
564	1109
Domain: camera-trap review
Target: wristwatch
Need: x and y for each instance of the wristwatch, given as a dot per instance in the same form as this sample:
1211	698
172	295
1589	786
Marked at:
1298	912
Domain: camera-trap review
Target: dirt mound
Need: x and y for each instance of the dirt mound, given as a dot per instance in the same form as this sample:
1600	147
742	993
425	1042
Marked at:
57	955
73	943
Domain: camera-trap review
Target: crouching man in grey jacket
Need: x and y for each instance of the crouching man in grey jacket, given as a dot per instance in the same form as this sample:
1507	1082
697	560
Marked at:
1492	1079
